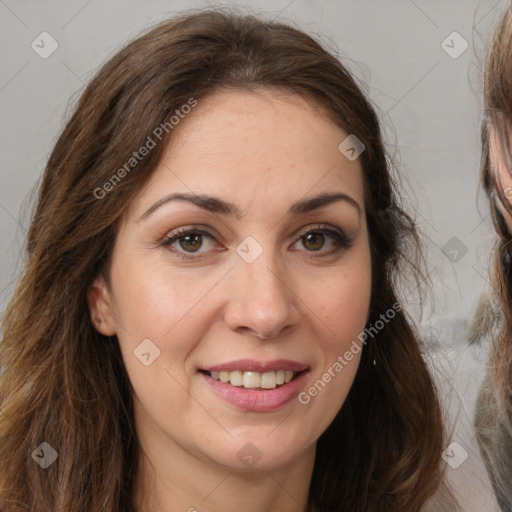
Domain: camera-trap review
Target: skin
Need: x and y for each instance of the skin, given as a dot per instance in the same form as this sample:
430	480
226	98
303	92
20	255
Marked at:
503	174
262	152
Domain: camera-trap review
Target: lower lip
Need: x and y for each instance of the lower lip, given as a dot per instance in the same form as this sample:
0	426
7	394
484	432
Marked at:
257	400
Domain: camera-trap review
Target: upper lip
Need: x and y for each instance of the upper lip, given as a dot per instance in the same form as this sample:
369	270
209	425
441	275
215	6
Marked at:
251	365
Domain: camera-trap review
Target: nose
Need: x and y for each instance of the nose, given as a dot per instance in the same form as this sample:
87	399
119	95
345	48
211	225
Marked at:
261	302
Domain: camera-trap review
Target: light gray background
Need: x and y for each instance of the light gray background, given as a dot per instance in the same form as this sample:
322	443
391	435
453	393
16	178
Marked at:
430	104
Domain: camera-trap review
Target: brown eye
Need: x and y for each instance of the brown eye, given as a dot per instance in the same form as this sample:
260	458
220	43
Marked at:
323	241
191	243
313	241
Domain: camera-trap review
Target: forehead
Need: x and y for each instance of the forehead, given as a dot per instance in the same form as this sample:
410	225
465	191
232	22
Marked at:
256	147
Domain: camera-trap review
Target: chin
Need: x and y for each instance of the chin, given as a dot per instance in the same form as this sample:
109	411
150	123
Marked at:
257	454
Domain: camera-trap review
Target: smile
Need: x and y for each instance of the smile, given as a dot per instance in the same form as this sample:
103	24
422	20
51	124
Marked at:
256	386
254	380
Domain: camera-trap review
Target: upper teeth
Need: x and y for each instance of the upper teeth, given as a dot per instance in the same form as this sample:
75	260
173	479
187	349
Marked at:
266	380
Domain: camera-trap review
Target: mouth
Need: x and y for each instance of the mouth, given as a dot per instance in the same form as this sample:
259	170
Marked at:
256	386
253	380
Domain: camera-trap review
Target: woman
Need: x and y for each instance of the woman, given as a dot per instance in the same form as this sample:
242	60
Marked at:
493	318
208	316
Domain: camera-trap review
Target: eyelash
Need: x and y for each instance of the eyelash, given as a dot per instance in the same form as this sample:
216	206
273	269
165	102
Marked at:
340	239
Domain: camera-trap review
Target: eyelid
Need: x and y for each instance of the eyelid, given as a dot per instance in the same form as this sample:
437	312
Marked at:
183	231
187	229
341	239
319	227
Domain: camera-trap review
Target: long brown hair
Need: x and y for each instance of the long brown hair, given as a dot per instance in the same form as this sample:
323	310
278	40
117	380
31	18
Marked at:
63	383
494	406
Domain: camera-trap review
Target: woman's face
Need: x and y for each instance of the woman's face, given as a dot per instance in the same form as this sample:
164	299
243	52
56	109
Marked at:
260	262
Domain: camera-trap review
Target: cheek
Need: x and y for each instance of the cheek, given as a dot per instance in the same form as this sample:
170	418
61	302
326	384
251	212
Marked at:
165	316
155	300
173	311
347	304
339	317
343	305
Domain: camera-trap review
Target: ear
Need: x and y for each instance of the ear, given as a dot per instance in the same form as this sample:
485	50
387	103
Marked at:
100	307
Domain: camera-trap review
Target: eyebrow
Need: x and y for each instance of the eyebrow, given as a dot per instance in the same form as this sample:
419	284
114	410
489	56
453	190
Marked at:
216	205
